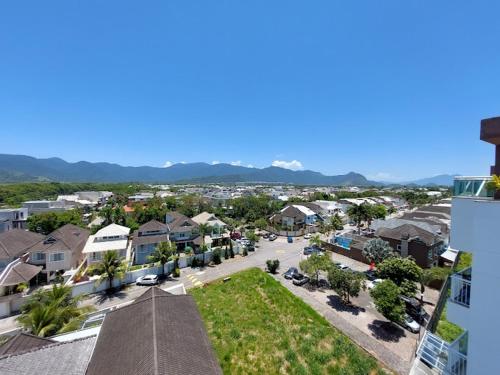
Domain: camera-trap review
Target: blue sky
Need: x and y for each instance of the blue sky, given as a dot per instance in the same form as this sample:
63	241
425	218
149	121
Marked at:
394	90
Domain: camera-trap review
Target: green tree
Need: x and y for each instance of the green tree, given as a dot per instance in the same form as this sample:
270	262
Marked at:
111	267
314	265
379	211
204	230
315	240
216	256
251	236
163	253
272	265
336	222
387	301
261	223
345	283
48	222
360	213
52	311
377	250
404	272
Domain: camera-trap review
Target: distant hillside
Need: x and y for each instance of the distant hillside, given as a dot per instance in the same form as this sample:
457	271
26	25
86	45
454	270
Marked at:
21	168
440	180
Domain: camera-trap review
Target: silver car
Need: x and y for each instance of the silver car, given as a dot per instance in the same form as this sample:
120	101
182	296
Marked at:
147	280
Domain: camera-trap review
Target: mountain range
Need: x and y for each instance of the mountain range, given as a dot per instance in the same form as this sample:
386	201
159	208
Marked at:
22	168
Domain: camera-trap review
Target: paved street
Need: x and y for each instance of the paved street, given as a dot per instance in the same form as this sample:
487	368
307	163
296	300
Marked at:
393	346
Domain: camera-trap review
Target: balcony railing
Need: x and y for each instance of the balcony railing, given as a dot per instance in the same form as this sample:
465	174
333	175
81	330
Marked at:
441	356
460	287
472	187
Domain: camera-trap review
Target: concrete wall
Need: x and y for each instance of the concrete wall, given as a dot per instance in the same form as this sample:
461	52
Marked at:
353	253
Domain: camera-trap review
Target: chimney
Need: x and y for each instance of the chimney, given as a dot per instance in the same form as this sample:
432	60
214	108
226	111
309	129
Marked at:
490	132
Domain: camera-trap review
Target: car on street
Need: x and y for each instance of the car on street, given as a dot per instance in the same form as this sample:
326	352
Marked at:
373	283
410	324
300	279
307	236
414	308
312	250
341	266
265	235
272	237
147	280
290	273
370	274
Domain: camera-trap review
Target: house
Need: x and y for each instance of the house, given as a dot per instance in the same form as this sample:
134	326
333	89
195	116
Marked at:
13	218
294	217
113	237
146	239
15	243
218	235
42	206
183	231
159	333
60	251
415	239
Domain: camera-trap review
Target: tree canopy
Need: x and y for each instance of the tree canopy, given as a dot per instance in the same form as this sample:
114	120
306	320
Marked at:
387	301
377	250
313	265
404	272
345	283
48	222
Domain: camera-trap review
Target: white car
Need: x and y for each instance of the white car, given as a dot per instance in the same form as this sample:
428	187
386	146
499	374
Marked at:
307	236
410	324
147	280
373	284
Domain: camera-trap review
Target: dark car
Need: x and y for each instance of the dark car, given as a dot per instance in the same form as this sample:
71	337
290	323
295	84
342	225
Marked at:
266	235
290	273
312	250
371	275
290	239
414	309
299	279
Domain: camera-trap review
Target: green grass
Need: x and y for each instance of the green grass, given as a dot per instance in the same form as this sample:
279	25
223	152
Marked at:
257	326
446	329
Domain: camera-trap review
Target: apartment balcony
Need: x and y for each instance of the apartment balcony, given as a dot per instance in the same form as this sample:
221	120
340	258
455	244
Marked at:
474	215
458	310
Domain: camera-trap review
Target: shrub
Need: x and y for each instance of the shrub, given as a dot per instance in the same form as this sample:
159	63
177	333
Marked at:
177	272
231	251
226	253
273	265
216	256
245	251
194	262
435	277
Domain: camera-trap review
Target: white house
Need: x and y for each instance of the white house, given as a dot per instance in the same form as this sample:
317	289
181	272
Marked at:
113	237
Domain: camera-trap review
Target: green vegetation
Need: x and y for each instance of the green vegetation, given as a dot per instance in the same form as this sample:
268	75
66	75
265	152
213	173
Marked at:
48	222
15	194
111	267
464	261
313	265
386	298
346	284
163	253
52	311
273	265
447	330
377	250
404	272
258	327
251	208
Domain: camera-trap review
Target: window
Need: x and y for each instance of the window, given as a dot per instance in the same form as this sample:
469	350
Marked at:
37	257
56	257
398	247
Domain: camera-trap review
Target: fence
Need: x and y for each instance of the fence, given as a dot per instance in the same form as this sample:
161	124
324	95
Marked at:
290	233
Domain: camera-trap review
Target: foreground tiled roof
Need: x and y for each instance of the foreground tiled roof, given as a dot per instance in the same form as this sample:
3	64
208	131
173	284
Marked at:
159	333
20	273
65	358
23	342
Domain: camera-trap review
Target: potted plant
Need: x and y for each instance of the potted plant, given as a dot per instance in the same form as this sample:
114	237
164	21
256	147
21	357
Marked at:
494	185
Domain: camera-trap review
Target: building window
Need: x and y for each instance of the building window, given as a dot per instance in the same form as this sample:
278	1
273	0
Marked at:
56	257
398	247
38	257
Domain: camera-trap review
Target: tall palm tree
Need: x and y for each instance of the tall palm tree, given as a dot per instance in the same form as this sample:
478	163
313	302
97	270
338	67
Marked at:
204	230
315	240
163	253
110	268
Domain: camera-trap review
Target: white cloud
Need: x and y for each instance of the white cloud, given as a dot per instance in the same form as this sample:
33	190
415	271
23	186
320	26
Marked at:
236	163
167	164
383	176
183	162
215	162
294	165
250	166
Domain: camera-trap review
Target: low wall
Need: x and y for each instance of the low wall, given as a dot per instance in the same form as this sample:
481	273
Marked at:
353	253
288	233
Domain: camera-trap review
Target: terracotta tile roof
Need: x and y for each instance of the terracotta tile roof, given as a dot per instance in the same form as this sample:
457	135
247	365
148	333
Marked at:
159	333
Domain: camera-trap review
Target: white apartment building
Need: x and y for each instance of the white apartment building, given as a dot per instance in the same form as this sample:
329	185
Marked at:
474	298
113	237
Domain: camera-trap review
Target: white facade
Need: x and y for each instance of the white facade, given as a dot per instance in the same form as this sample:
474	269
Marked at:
114	237
13	218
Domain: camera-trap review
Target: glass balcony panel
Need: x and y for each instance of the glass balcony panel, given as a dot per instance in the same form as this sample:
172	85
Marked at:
472	187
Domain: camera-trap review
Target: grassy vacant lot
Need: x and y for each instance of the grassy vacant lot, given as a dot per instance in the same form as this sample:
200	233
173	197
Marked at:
258	327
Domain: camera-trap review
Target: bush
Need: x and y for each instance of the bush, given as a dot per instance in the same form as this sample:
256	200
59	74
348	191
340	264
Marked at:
194	262
176	273
226	254
216	256
273	265
435	277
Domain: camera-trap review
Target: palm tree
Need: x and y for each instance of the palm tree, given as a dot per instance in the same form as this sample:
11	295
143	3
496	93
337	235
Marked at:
52	311
163	253
377	250
360	213
315	240
204	230
110	268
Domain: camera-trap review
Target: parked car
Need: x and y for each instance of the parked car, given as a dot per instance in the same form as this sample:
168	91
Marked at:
300	279
147	280
307	236
272	237
266	235
235	235
373	283
342	267
312	250
370	275
414	308
250	247
410	324
290	273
